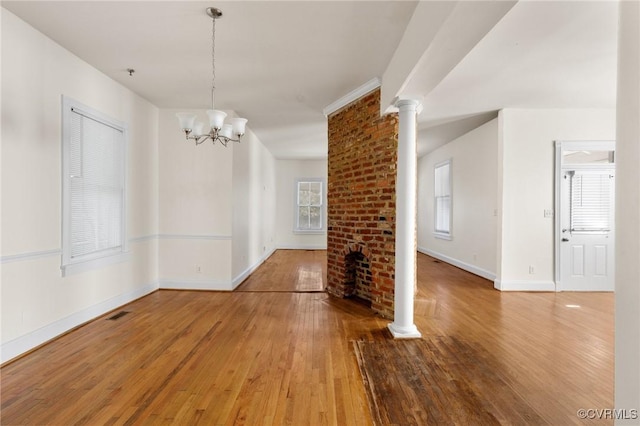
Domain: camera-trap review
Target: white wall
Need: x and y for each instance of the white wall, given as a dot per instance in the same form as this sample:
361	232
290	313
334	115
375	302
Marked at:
37	302
507	166
195	228
287	172
474	166
526	188
254	203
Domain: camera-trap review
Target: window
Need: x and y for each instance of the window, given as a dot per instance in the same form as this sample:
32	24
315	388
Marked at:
588	157
93	177
309	206
442	200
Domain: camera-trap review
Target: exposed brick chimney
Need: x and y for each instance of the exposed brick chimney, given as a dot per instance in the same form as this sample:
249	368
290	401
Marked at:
362	203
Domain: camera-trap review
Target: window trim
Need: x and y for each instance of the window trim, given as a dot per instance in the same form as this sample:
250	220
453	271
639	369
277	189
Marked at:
438	233
323	218
95	260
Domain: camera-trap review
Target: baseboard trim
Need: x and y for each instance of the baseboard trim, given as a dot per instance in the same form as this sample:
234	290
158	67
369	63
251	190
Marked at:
462	265
28	342
523	285
245	274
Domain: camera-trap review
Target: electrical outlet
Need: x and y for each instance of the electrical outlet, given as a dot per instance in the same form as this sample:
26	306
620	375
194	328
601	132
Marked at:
475	257
531	270
198	270
548	213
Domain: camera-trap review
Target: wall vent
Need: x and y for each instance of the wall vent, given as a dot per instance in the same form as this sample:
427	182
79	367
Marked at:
118	315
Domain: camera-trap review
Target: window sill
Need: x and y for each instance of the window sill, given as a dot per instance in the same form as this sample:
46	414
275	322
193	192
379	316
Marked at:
88	265
442	236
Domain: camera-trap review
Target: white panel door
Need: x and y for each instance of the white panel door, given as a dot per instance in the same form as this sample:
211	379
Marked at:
587	229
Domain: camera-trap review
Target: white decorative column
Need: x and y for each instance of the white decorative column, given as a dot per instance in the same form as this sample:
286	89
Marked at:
402	326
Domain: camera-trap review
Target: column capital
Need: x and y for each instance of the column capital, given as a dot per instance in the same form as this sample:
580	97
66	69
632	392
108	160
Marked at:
408	104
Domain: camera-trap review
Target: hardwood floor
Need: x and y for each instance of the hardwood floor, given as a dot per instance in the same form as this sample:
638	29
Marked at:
278	351
556	347
290	271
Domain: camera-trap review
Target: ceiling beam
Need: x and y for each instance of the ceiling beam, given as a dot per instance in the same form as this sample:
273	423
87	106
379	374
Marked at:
438	37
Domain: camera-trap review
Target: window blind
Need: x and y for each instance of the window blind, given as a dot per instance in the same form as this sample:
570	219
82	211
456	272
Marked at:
591	202
96	187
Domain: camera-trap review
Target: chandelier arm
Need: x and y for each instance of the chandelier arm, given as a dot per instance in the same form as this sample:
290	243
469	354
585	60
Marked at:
225	140
198	139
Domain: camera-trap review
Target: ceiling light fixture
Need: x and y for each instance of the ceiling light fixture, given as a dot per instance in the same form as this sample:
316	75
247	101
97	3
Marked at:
219	132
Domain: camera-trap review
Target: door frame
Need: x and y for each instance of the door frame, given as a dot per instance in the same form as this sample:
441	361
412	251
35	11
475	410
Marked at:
560	146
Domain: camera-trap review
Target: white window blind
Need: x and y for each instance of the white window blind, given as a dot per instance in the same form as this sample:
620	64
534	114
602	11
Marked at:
94	185
591	202
309	206
442	195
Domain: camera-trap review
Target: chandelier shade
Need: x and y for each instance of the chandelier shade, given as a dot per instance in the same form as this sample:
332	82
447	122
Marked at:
186	120
238	125
216	118
219	131
198	128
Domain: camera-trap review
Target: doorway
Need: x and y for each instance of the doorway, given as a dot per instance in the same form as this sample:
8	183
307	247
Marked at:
585	212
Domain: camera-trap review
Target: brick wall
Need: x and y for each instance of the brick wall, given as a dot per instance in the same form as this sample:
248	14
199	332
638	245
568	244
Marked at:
361	198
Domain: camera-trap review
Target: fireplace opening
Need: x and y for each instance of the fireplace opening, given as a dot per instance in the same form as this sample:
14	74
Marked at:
358	277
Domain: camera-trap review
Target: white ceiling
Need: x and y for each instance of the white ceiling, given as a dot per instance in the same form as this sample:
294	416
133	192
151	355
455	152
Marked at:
542	54
279	63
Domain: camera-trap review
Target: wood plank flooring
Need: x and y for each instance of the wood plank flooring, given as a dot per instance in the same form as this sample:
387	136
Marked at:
290	271
443	381
277	351
558	348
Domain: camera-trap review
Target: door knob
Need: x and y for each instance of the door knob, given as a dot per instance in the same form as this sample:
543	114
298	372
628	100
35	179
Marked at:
565	240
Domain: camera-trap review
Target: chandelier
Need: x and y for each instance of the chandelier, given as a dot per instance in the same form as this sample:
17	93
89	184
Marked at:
219	131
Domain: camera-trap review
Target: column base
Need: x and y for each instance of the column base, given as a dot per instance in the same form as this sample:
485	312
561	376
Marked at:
400	332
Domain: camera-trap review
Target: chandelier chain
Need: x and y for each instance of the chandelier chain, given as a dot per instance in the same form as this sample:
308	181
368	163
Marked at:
213	61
